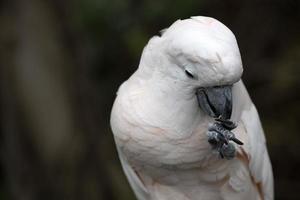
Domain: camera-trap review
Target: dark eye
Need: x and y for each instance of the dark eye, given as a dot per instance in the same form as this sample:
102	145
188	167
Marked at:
189	74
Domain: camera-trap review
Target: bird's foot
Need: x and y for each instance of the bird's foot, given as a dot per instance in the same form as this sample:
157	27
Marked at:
220	138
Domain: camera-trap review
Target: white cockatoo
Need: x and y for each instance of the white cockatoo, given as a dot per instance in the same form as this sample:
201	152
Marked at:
184	125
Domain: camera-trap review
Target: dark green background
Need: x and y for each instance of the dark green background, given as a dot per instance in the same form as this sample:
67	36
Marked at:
62	62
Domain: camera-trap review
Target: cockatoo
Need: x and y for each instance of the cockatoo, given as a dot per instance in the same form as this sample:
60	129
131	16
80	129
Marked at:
184	125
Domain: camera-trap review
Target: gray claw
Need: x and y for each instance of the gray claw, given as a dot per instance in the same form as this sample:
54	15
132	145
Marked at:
231	136
237	141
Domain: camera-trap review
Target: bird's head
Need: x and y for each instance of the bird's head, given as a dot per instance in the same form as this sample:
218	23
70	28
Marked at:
202	56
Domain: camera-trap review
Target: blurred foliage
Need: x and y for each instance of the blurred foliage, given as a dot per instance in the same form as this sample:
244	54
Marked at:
82	50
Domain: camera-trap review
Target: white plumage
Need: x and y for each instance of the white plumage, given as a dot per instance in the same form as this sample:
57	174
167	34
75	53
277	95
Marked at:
160	131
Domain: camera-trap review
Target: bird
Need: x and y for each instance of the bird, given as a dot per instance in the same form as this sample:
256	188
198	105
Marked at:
183	123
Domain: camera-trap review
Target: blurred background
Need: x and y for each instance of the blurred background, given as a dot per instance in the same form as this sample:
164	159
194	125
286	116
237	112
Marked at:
61	62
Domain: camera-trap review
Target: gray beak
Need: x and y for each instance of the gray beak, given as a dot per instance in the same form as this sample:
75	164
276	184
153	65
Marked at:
216	101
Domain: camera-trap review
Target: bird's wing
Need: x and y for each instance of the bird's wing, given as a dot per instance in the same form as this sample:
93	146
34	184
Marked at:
122	130
134	180
254	152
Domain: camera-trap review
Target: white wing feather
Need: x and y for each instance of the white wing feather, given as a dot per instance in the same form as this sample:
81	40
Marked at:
134	181
256	155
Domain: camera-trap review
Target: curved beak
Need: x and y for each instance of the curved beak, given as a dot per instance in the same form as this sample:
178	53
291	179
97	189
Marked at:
216	101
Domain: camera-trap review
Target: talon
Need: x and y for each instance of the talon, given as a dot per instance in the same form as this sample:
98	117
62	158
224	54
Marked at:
237	141
232	137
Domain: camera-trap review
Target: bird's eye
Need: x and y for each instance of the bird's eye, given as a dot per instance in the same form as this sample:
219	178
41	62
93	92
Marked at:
189	74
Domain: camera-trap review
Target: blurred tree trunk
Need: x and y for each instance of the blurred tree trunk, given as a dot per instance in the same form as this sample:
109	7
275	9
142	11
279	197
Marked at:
50	147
